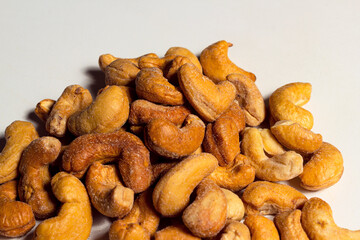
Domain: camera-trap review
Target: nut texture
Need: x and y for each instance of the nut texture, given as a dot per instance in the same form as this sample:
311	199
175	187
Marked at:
289	225
184	52
261	228
235	208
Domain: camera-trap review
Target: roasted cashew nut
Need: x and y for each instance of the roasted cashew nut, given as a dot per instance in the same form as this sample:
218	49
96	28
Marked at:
289	225
261	228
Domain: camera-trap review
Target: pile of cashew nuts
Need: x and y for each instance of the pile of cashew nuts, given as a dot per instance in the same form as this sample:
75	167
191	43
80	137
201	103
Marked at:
173	147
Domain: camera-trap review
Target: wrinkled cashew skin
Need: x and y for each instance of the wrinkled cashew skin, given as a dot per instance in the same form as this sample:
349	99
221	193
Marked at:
106	192
166	139
73	99
206	216
178	232
216	63
289	225
318	222
286	103
134	163
263	198
171	194
324	169
107	113
18	136
35	177
16	218
261	228
180	51
209	100
74	219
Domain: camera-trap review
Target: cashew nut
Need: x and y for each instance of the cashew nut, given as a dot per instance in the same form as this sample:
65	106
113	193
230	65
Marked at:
43	109
183	52
234	230
289	225
178	232
261	228
235	208
106	59
131	231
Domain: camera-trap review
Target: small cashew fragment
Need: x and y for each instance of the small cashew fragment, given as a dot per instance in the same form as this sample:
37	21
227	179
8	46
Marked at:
209	100
324	169
286	103
295	137
73	99
134	158
106	192
18	135
131	231
261	228
289	225
216	63
318	222
184	52
249	98
172	194
74	219
206	216
153	86
235	208
168	140
235	176
178	232
34	183
285	166
263	198
16	218
43	108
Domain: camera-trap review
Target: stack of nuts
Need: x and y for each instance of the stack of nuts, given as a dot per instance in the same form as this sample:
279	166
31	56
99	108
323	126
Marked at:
171	148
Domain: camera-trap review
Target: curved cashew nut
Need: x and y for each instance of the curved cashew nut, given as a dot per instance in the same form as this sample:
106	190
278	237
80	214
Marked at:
18	135
121	72
289	225
318	222
209	100
286	103
184	52
261	228
217	65
106	59
106	192
35	176
74	219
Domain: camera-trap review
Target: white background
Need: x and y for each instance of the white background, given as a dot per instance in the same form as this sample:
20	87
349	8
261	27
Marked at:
48	45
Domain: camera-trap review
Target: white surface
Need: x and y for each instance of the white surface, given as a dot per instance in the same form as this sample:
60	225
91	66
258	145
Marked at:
47	45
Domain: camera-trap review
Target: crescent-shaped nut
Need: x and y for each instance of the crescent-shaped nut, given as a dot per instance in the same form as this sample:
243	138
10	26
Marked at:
216	63
131	231
263	198
172	194
295	137
184	52
249	98
106	59
235	209
154	87
178	232
261	228
168	140
18	135
106	192
324	169
286	103
35	176
289	225
74	219
285	166
73	99
235	176
208	99
43	108
107	113
121	72
156	62
134	163
318	222
174	66
206	216
270	144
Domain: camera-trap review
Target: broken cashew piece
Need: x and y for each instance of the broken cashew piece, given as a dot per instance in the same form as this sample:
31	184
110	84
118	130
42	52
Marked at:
74	219
261	228
289	225
43	108
319	224
18	135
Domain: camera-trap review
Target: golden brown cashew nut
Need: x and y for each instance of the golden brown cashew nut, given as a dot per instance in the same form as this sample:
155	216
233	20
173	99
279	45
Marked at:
270	144
168	140
234	231
43	109
74	219
249	98
107	113
280	167
324	169
18	136
16	218
106	59
289	225
134	160
73	99
235	209
121	72
184	52
178	232
216	63
286	103
206	216
209	100
106	192
271	198
318	222
34	184
131	231
261	228
171	194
